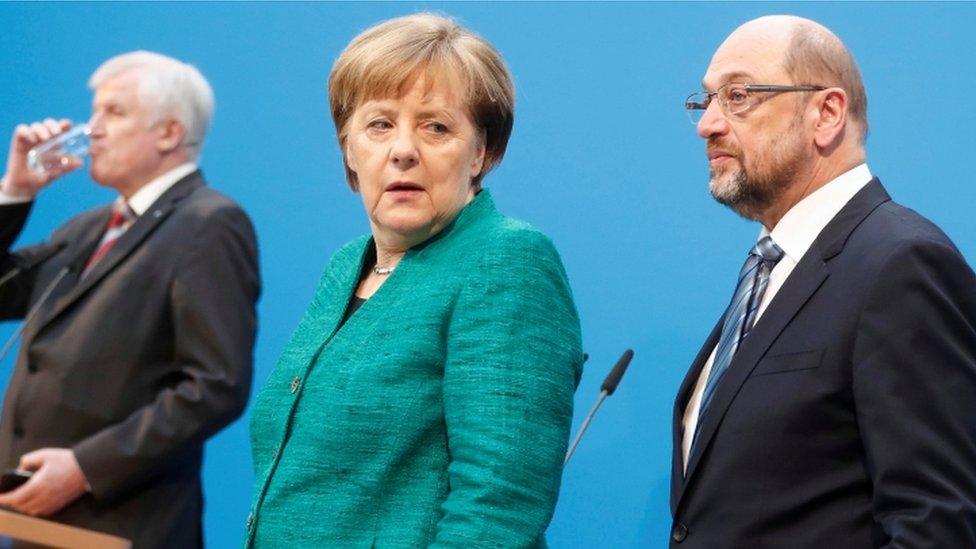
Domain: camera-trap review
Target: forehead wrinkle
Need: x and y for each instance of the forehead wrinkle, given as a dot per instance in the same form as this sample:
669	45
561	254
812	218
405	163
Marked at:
729	77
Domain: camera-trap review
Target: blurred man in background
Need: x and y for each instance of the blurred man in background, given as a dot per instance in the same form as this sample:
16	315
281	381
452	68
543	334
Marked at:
142	314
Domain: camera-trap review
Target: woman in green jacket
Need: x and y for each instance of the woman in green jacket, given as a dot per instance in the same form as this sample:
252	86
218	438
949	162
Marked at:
425	398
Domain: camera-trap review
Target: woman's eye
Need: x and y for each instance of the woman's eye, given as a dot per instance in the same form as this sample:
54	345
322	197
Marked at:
438	128
379	124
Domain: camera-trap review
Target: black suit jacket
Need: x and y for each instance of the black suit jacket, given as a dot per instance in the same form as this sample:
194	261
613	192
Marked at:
136	364
847	418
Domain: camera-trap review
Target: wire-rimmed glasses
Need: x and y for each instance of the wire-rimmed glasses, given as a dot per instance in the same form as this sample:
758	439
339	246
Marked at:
736	98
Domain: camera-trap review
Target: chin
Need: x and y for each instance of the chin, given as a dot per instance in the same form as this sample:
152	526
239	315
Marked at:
98	176
406	223
105	179
725	187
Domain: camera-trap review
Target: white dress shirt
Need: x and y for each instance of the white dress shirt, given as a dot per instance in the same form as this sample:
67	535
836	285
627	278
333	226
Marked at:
142	199
148	193
794	234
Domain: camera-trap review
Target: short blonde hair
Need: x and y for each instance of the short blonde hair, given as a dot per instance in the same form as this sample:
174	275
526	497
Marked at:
387	58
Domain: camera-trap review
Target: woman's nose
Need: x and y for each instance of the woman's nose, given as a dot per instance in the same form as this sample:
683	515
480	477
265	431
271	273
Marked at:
404	153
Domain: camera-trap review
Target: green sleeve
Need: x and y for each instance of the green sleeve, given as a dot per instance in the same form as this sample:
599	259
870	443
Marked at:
513	360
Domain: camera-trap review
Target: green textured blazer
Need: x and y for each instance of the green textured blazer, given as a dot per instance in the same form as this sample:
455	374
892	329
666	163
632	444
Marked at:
438	414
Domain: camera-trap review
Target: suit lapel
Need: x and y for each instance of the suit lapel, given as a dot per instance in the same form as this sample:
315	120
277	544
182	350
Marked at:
808	276
126	244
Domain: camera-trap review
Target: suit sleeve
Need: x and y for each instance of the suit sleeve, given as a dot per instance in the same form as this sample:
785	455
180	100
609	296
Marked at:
16	290
513	361
915	396
213	301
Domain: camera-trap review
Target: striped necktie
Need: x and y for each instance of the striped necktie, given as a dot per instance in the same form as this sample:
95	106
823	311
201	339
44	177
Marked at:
741	314
122	218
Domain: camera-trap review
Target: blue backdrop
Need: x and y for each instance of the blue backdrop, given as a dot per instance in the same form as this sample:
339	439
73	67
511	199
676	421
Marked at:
603	159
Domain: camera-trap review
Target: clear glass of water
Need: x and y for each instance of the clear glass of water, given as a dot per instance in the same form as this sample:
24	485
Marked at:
58	152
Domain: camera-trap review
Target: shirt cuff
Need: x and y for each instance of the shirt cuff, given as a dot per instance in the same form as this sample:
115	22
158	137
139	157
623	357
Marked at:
6	199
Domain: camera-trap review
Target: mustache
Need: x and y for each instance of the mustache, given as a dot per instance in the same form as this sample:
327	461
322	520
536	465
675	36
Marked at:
713	147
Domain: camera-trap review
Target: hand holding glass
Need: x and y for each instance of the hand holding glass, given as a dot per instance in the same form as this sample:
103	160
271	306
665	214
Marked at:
58	152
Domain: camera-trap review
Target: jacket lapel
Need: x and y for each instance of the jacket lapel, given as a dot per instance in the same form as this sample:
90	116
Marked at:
127	243
809	274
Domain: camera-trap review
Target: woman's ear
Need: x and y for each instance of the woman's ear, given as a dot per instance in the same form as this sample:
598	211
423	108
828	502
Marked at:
478	163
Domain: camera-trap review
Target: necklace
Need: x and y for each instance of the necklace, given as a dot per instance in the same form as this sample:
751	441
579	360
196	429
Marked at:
383	271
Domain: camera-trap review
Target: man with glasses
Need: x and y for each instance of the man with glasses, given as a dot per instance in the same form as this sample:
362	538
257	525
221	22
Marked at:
834	403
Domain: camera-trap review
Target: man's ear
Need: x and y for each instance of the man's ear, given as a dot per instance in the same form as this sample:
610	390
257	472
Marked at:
171	135
831	117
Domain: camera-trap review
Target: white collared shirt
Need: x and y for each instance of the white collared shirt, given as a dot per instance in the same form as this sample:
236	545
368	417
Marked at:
142	199
794	234
150	192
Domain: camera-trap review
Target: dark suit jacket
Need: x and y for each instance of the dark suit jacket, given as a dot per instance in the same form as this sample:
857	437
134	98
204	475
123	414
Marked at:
136	364
847	418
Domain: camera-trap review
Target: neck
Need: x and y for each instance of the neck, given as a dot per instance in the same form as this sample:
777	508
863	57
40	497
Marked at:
166	164
822	172
387	257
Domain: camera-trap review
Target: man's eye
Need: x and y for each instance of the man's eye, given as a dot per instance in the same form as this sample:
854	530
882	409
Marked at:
737	96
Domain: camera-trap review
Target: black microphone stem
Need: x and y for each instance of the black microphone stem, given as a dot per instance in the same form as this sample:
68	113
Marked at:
10	274
586	423
33	311
609	386
40	257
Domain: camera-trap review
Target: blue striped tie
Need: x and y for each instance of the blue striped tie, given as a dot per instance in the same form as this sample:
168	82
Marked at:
741	314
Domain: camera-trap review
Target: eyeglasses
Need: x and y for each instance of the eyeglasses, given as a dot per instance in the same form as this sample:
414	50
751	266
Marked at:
736	98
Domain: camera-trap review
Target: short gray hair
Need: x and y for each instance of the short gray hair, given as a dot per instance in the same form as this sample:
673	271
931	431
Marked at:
169	88
817	56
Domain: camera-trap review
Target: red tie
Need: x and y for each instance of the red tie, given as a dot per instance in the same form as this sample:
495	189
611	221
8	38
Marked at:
122	217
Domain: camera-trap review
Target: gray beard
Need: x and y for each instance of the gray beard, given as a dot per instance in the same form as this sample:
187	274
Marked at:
750	197
744	197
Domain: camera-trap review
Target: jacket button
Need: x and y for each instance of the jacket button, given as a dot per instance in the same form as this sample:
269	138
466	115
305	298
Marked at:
18	431
294	384
679	533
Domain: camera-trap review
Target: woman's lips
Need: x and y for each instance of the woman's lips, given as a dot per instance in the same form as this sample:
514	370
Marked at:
403	187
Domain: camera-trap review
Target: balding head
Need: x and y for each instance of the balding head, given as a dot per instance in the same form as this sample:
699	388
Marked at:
811	55
769	148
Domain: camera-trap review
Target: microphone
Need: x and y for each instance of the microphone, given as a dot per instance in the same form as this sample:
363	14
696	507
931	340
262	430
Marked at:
606	389
46	253
34	309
